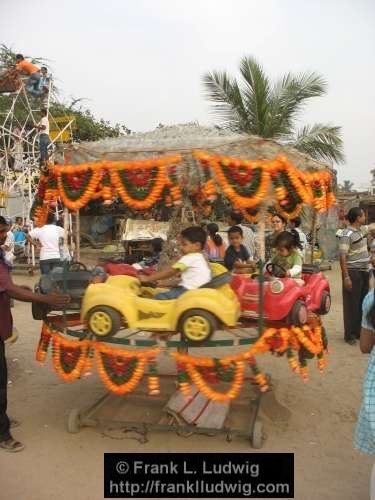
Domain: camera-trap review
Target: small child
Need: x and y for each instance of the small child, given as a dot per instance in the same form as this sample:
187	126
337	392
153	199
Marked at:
215	246
236	255
192	266
287	246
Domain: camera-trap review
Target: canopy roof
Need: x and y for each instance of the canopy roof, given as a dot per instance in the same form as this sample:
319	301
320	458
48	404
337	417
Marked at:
185	138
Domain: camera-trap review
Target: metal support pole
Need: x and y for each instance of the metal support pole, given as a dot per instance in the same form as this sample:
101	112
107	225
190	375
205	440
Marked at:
65	262
28	212
313	235
78	232
262	252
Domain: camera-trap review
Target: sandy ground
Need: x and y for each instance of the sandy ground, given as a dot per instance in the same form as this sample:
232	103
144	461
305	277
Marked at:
59	465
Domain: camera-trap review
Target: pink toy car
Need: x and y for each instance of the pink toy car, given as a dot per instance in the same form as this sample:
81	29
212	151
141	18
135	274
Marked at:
285	300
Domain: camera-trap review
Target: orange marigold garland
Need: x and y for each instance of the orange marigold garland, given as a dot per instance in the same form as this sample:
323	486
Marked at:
245	183
69	356
121	370
76	198
43	344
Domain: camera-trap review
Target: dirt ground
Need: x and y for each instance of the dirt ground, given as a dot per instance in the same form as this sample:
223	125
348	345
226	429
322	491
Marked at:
58	465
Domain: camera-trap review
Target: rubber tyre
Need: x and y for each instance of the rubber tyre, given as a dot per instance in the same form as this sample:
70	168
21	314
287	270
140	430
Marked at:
257	435
39	311
108	317
324	305
73	423
200	319
298	314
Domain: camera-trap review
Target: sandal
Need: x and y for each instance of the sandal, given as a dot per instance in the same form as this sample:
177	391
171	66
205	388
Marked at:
11	445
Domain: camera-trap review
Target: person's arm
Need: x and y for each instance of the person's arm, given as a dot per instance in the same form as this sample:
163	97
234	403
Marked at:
366	341
245	261
26	295
30	240
296	268
344	248
228	259
169	272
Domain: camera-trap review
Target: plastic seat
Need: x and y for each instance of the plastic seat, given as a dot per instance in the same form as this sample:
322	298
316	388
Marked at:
218	281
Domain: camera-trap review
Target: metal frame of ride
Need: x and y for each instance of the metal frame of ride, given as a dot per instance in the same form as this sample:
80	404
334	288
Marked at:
19	147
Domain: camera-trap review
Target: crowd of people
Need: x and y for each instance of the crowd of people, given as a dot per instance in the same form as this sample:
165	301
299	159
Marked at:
285	246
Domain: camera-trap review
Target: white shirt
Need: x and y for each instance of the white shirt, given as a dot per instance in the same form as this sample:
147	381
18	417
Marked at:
9	242
248	240
49	236
303	241
195	270
45	123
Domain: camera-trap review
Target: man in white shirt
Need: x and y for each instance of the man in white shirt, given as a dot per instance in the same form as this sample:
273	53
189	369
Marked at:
43	127
235	219
51	238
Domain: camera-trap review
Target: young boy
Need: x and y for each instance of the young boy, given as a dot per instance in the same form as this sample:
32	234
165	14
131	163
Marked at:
33	82
236	254
192	266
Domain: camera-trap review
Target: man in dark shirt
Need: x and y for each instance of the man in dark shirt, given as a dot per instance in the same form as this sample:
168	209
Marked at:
236	253
9	290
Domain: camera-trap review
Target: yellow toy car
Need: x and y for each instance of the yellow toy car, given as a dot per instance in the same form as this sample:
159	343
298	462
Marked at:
122	302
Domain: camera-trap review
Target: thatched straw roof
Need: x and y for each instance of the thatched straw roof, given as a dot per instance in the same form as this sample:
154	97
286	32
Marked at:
184	138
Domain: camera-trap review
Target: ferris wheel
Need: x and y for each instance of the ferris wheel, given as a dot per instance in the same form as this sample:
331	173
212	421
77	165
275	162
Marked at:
20	166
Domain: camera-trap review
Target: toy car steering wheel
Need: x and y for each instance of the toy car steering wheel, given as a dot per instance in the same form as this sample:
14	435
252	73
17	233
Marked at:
77	266
276	270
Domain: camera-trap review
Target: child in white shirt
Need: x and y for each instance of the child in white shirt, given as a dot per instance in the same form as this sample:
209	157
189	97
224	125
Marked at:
192	266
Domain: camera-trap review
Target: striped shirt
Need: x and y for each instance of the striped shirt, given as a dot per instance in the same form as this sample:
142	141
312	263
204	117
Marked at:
353	244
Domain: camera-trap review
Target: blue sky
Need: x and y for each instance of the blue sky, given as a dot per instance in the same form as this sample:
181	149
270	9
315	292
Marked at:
140	62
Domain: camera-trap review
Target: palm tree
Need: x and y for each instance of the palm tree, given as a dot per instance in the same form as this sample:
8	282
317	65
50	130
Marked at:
346	187
255	105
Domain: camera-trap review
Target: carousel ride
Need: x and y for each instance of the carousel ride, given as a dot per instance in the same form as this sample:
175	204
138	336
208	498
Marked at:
122	330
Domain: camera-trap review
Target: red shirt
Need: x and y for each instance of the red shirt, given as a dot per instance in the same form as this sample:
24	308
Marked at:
6	320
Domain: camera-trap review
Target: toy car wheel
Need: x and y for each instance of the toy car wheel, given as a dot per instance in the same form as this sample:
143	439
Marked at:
197	325
325	303
103	321
298	314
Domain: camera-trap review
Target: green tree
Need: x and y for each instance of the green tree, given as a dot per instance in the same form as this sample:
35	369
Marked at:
255	105
346	187
86	126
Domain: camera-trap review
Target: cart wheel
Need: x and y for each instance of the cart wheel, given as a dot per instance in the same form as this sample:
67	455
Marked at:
73	424
257	435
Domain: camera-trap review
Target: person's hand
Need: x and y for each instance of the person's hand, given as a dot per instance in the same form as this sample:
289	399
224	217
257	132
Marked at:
348	283
56	299
143	279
